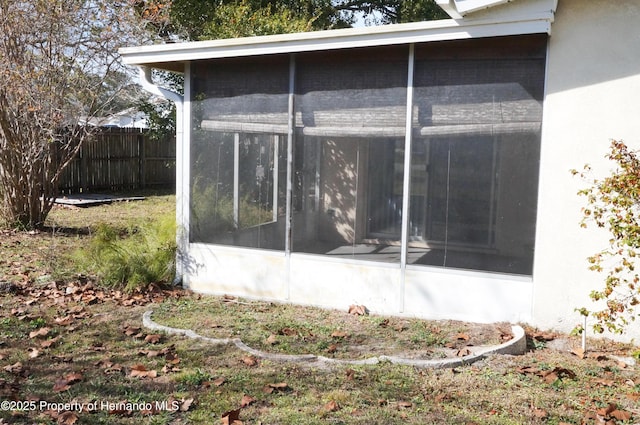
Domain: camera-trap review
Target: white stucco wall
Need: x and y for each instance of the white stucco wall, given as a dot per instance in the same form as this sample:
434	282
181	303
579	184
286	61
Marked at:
592	96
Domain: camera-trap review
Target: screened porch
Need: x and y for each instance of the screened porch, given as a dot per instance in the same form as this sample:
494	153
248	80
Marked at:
421	155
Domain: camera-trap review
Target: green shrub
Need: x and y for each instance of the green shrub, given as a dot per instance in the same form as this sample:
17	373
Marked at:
130	260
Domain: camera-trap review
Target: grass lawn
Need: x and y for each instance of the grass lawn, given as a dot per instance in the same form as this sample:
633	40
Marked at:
73	352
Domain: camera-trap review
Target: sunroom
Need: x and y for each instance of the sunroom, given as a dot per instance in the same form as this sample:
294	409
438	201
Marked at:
392	167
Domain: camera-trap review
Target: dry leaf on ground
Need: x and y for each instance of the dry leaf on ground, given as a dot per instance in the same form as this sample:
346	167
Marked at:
39	332
358	310
152	338
250	360
332	406
140	371
270	388
246	400
231	417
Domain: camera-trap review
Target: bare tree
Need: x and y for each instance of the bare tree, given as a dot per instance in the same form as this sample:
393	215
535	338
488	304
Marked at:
58	64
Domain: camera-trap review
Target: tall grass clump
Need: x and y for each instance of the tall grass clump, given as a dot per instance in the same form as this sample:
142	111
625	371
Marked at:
133	259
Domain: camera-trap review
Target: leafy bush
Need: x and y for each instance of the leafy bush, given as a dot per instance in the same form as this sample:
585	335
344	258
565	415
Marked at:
130	260
613	203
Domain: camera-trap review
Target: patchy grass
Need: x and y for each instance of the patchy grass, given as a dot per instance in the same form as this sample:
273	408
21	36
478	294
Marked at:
63	339
291	329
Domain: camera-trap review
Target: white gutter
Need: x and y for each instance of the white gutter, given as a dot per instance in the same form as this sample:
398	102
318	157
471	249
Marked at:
178	99
148	85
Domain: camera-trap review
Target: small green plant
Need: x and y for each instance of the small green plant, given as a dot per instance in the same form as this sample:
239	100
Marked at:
133	259
37	323
194	378
424	335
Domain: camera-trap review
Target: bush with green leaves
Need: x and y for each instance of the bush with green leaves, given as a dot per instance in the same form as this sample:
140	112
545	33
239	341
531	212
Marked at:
613	203
132	259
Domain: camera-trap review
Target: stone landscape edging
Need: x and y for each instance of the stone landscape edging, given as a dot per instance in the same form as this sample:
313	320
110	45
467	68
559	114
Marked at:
515	346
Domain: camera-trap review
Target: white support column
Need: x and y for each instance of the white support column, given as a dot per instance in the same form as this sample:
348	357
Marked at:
183	173
406	185
236	180
276	176
290	140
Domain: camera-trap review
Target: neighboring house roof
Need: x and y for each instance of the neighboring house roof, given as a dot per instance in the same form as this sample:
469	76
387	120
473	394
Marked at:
128	118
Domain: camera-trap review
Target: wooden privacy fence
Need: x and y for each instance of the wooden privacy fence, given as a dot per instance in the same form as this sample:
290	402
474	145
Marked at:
121	159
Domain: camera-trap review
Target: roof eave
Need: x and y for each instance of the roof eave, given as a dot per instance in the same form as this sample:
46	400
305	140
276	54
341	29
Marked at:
172	57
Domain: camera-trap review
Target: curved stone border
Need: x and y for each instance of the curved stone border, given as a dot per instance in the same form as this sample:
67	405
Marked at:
515	346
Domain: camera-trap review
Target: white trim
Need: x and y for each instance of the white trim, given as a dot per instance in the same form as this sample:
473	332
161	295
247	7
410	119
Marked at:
236	180
323	258
183	171
276	177
432	130
470	273
289	183
406	183
236	249
165	56
468	6
449	7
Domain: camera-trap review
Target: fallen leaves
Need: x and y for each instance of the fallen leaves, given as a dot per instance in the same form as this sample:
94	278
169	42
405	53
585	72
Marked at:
67	418
288	332
184	404
608	415
219	381
539	413
338	334
250	361
332	406
133	331
246	400
64	383
232	417
39	332
15	369
64	321
543	336
271	388
271	339
141	371
463	352
84	292
153	338
461	336
548	375
358	310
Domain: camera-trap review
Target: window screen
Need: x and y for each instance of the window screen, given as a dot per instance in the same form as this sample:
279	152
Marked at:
475	154
476	118
350	129
238	154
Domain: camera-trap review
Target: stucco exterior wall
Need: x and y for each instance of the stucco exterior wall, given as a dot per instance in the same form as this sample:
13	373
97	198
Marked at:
592	96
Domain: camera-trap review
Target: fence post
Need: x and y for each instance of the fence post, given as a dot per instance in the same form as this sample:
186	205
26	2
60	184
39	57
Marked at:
142	173
83	168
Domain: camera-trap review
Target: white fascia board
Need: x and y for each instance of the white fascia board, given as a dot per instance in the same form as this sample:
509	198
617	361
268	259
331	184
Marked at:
450	8
468	6
166	56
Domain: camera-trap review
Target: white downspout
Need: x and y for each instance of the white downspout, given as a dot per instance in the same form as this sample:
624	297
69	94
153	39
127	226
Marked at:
178	99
